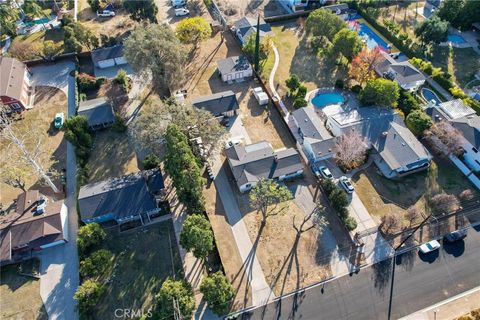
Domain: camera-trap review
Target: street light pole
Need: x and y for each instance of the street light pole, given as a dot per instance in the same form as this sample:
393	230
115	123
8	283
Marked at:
394	258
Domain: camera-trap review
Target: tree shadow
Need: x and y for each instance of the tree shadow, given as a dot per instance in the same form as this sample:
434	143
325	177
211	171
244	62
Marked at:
456	249
429	257
381	274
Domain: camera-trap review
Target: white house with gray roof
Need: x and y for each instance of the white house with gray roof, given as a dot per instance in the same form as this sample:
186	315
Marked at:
251	163
397	151
235	68
464	119
402	72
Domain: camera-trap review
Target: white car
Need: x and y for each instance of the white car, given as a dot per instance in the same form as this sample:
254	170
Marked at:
325	172
346	184
106	13
233	142
430	246
181	12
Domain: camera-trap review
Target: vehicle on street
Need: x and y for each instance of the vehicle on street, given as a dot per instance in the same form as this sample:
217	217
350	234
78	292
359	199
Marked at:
233	142
262	97
59	120
105	13
429	246
181	12
455	236
346	184
325	172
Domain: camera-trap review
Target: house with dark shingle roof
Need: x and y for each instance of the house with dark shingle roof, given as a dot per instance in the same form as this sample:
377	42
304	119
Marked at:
251	163
218	104
246	27
464	119
108	57
402	72
133	197
36	224
235	68
99	113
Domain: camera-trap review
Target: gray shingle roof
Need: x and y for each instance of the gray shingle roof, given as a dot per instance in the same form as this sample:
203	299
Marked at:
248	26
107	53
217	103
121	197
404	71
97	111
233	64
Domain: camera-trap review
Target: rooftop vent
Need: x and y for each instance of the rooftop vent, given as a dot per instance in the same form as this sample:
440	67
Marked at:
384	133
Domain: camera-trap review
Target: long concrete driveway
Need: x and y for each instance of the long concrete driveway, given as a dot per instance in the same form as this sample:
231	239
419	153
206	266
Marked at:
59	265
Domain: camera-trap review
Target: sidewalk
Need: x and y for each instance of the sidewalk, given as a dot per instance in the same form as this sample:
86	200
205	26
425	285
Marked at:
449	309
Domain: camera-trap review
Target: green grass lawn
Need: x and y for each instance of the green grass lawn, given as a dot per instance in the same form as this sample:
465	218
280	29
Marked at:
462	63
143	259
55	35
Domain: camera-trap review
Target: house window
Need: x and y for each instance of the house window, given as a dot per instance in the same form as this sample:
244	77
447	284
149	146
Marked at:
15	106
475	150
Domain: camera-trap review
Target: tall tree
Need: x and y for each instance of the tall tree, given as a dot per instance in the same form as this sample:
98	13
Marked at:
380	92
362	68
350	150
347	43
418	121
141	10
154	50
257	46
175	296
433	30
89	236
323	22
49	50
449	10
268	197
193	30
27	148
218	292
88	294
197	236
8	19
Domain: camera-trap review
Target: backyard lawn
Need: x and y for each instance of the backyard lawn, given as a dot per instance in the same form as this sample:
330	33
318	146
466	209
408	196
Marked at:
382	196
143	259
20	296
462	63
403	13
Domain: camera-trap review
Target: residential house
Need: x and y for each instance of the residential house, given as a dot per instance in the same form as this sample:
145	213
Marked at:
246	27
218	104
132	198
235	68
316	142
251	163
302	5
108	57
464	119
341	9
99	113
397	151
38	223
402	72
16	89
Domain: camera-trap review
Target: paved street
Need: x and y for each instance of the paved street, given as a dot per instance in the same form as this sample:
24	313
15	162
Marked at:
420	281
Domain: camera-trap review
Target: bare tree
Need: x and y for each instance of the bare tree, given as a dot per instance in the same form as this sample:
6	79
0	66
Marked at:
269	198
390	222
25	149
444	203
317	221
444	136
413	213
350	150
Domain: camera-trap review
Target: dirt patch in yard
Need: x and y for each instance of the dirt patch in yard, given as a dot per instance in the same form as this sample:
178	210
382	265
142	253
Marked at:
227	247
235	10
112	156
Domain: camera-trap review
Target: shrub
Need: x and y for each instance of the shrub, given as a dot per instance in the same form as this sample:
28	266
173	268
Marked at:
356	88
343	213
151	161
96	264
299	103
466	194
350	223
328	186
407	102
292	83
122	80
87	82
339	83
380	92
301	92
218	292
179	290
119	125
338	199
89	236
443	203
88	294
418	121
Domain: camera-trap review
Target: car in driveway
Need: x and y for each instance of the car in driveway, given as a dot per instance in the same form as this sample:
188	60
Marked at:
454	236
181	12
430	246
346	184
325	172
59	120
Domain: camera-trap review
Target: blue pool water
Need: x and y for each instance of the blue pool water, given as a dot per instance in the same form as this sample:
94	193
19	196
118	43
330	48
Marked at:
324	99
371	38
456	38
430	95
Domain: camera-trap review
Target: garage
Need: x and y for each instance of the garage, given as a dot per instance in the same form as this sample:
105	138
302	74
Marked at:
108	57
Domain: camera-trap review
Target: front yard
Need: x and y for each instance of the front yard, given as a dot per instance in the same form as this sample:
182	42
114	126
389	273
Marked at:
142	259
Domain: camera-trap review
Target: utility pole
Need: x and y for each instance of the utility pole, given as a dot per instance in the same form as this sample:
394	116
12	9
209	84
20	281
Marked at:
257	46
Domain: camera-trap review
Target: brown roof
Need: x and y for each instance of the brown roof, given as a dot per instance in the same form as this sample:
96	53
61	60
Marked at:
12	72
27	227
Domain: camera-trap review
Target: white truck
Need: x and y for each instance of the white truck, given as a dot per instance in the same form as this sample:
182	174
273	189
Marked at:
261	96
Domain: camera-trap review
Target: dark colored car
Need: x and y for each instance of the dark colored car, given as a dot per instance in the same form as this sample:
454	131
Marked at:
455	236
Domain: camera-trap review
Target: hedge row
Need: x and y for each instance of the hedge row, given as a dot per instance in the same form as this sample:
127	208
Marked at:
339	201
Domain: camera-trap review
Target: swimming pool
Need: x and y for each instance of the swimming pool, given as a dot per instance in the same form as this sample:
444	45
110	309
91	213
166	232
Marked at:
324	99
430	95
372	39
455	38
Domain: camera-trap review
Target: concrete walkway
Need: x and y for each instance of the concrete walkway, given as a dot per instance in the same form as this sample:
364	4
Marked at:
449	309
271	80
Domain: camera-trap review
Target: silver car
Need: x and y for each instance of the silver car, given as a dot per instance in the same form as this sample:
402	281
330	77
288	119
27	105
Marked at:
346	184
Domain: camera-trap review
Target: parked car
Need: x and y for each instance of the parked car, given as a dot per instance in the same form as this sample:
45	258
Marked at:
325	172
181	12
106	13
315	170
430	246
262	97
346	184
233	142
59	120
455	236
177	3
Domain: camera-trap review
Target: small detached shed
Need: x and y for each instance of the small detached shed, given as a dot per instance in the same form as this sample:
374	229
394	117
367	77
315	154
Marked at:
108	57
235	68
99	113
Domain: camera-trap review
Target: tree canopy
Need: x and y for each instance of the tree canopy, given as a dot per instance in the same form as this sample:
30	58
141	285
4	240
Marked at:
323	22
193	30
88	294
96	264
8	19
218	292
267	197
362	68
197	236
179	290
380	92
250	45
433	30
153	50
89	235
418	121
141	10
348	43
460	13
